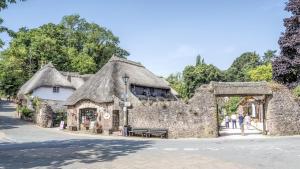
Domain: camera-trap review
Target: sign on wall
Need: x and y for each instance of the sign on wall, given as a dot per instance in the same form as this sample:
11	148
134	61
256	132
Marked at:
106	116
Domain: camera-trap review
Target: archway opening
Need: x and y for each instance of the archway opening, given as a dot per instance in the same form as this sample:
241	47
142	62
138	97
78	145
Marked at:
240	115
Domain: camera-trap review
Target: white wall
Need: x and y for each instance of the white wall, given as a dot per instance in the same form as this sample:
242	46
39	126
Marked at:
47	93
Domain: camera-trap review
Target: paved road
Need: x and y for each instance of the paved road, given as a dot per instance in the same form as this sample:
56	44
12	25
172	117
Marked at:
23	145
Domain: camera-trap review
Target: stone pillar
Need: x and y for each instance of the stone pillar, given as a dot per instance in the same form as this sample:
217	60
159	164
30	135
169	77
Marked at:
45	116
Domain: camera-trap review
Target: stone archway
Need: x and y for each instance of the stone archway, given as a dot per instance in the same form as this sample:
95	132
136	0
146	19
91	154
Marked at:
282	112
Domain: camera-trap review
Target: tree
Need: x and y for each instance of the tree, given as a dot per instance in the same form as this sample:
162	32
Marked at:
231	105
241	65
195	76
286	67
73	45
199	60
261	73
4	5
268	56
177	83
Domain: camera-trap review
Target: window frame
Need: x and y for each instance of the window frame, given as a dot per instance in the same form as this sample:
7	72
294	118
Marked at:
55	89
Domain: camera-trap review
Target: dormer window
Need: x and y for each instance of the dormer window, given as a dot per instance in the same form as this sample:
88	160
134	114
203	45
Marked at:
55	89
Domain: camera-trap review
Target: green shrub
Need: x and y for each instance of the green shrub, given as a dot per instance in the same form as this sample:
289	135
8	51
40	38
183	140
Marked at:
296	91
36	102
26	112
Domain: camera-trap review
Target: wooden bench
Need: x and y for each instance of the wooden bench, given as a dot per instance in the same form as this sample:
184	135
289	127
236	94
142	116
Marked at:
138	131
162	133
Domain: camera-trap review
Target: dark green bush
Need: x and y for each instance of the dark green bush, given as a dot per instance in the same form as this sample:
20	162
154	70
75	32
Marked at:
26	112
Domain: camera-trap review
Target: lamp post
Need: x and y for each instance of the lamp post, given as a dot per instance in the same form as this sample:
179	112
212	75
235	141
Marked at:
125	79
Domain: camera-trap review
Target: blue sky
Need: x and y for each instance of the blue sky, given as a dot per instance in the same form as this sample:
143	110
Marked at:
166	35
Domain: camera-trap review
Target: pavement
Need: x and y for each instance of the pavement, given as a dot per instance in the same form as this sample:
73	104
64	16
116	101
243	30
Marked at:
250	132
24	145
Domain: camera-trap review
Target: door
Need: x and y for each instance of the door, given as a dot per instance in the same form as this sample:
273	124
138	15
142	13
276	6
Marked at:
87	114
115	120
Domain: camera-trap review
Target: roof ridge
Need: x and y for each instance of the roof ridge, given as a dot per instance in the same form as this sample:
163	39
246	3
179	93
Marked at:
123	60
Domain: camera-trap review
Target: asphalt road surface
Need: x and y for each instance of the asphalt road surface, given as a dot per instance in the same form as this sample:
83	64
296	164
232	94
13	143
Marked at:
24	145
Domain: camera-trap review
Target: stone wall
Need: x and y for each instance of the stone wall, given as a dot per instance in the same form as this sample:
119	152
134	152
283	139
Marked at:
283	112
198	117
44	115
195	119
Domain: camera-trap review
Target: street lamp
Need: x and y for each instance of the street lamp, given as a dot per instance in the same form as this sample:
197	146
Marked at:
125	78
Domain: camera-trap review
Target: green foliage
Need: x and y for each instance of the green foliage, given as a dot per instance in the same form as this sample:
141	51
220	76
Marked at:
268	56
178	85
195	76
261	73
296	91
241	65
199	60
26	112
4	3
231	105
73	45
36	103
84	63
58	117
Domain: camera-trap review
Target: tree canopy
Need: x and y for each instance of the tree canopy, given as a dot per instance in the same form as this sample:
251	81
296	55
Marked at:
195	76
72	45
261	73
286	67
241	65
249	66
177	83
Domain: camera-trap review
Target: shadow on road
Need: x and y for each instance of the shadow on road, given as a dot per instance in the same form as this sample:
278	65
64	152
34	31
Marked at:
7	119
11	123
56	154
6	106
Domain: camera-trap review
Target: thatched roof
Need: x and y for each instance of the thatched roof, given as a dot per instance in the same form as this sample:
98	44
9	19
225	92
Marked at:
46	76
56	105
241	88
75	78
107	83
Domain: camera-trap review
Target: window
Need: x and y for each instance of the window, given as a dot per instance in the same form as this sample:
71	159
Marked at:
56	89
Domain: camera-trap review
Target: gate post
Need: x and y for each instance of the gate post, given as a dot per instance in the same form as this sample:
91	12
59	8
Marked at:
264	115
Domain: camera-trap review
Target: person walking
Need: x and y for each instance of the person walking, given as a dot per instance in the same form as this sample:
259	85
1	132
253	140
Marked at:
227	121
248	121
233	120
241	123
241	119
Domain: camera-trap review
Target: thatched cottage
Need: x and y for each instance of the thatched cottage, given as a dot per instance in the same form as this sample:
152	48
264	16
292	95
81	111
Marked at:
52	88
102	98
50	84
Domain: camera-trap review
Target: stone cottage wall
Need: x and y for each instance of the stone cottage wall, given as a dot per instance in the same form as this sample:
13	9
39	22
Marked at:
195	119
101	109
283	112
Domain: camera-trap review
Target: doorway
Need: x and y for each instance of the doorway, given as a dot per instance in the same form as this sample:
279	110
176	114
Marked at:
86	116
115	120
241	115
